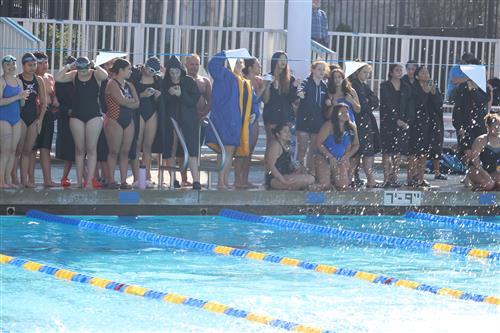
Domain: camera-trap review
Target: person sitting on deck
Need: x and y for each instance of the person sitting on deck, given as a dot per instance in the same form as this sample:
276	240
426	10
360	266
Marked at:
484	169
282	174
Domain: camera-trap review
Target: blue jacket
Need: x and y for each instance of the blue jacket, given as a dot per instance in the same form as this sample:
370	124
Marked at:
225	108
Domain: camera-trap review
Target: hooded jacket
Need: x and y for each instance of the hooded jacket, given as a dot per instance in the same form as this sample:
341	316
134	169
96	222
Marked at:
181	108
232	101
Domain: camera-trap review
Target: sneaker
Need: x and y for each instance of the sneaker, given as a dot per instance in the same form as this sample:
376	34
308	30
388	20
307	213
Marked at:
65	182
440	177
395	184
196	186
150	184
411	183
113	186
358	181
135	184
424	183
125	186
177	184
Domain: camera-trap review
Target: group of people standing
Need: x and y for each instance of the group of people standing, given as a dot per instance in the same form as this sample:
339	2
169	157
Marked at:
115	113
107	114
337	132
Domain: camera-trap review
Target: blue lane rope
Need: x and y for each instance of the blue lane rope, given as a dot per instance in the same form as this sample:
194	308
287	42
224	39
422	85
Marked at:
398	242
455	222
259	256
214	307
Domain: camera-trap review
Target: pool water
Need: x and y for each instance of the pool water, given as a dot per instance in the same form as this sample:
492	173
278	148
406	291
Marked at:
35	302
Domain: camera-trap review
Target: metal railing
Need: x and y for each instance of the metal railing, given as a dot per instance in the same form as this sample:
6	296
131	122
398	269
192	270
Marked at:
319	51
174	168
143	40
438	53
210	168
15	40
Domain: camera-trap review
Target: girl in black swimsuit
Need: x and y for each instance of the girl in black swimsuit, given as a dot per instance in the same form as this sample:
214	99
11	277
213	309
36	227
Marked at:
484	172
282	175
32	114
121	101
85	117
146	120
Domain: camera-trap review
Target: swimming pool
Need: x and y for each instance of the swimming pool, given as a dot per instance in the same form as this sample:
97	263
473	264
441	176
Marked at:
36	302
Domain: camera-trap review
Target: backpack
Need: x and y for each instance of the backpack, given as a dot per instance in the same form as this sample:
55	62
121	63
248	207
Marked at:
449	164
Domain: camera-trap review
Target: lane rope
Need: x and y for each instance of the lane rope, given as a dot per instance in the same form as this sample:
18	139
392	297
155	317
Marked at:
169	241
397	242
135	290
455	222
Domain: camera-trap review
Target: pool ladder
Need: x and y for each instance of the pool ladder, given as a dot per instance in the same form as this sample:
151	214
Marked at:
209	167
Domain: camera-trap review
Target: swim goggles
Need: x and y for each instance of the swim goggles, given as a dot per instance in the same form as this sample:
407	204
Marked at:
8	58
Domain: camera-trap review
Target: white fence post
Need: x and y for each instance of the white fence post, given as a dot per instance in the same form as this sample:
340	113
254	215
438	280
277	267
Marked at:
138	55
405	49
496	63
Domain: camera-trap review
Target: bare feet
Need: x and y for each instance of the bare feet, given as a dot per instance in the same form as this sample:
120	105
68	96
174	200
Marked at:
5	186
29	185
51	184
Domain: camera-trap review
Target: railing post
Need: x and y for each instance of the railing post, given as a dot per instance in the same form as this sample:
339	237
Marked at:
138	55
496	63
405	49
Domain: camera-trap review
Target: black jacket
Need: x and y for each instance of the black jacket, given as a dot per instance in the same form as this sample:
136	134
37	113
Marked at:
470	108
391	109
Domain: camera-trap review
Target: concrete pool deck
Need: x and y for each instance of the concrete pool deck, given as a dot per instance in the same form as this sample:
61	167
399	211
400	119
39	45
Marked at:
445	197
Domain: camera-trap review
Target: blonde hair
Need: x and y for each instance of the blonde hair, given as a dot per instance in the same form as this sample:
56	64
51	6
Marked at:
193	56
317	63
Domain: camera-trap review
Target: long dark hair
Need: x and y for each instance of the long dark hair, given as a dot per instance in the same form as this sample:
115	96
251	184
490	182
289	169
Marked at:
249	62
119	64
337	131
392	67
346	85
417	71
276	130
284	77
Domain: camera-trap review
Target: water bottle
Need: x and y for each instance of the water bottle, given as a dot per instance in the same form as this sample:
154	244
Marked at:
142	177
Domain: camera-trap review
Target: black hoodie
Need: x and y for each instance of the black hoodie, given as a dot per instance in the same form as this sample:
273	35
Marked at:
182	108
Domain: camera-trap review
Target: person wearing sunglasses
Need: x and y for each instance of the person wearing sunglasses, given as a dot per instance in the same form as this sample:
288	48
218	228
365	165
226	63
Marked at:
31	114
12	98
44	140
85	119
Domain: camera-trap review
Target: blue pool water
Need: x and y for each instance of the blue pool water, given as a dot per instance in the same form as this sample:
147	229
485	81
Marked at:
35	302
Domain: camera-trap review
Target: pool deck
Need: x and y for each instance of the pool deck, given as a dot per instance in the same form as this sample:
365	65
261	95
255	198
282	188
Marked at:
445	197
